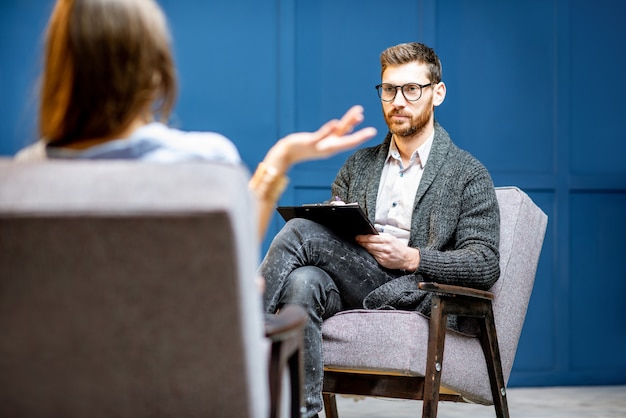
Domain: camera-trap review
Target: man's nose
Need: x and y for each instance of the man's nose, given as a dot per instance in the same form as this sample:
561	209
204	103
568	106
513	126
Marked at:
399	100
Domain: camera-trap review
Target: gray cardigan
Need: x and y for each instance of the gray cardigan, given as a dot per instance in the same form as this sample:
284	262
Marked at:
456	220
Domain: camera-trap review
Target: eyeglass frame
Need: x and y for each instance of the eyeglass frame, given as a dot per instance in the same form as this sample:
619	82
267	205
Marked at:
421	86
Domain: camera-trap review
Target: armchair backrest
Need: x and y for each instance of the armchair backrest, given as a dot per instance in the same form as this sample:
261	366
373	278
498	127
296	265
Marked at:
522	228
128	289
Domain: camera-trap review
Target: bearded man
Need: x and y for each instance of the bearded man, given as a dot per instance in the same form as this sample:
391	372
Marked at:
433	204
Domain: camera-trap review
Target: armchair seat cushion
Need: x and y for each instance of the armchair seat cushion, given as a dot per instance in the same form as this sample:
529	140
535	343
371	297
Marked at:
363	340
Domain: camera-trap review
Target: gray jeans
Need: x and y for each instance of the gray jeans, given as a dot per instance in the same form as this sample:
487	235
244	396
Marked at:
310	266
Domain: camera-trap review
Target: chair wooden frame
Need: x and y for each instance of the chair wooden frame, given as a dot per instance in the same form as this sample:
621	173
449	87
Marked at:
285	331
446	300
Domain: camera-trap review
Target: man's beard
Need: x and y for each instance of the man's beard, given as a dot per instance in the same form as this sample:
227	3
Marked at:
416	124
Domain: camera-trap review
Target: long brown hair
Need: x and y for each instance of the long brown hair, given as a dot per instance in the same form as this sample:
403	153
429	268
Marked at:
106	62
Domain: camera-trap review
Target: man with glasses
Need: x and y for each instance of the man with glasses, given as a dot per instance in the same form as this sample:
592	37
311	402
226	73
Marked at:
433	204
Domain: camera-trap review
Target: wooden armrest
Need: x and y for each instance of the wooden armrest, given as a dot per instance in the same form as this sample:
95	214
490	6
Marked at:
290	319
451	290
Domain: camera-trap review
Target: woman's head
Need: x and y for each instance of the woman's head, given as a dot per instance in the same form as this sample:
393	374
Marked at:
106	63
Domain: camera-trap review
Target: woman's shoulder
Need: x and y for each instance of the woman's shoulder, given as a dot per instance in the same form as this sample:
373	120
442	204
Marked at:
33	152
171	144
154	142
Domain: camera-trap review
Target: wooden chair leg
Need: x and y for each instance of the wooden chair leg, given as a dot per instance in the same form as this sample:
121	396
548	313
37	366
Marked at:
275	378
434	357
296	378
330	405
285	330
489	343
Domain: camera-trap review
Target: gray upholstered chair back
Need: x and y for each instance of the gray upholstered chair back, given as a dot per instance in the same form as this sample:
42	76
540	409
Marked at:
522	229
127	289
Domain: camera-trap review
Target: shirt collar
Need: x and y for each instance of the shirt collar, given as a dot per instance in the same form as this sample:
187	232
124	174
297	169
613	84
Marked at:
420	155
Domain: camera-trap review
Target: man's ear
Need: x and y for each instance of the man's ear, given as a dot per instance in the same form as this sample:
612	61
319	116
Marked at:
439	93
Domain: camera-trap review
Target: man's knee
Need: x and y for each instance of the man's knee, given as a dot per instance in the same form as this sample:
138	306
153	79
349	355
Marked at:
307	280
308	285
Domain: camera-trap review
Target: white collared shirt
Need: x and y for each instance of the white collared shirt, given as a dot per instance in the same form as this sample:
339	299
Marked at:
397	189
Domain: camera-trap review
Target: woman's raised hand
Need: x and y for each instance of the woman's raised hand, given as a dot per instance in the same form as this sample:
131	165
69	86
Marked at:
331	138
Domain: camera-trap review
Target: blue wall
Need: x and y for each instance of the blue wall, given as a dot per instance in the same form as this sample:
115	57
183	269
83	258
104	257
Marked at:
535	91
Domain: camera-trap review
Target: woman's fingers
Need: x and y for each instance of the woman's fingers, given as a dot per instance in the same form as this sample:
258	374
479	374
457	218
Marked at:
349	120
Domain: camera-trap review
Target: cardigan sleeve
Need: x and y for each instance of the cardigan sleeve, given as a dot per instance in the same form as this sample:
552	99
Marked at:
464	232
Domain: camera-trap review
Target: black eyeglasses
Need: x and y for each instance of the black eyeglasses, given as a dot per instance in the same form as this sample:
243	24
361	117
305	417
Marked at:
411	91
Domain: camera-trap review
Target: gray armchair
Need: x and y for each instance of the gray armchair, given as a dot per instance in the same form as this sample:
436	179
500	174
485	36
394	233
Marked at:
128	289
401	354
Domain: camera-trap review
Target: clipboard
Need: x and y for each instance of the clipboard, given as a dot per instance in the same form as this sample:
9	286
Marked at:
346	221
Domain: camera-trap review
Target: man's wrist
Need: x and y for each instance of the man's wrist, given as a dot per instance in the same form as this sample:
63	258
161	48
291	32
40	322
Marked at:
413	261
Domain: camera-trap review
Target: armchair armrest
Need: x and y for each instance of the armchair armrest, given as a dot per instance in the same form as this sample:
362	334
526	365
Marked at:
282	326
450	290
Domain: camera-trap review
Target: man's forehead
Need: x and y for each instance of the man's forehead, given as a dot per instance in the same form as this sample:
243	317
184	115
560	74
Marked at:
412	72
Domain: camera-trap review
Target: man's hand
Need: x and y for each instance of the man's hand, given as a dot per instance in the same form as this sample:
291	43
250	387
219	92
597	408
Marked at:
390	252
